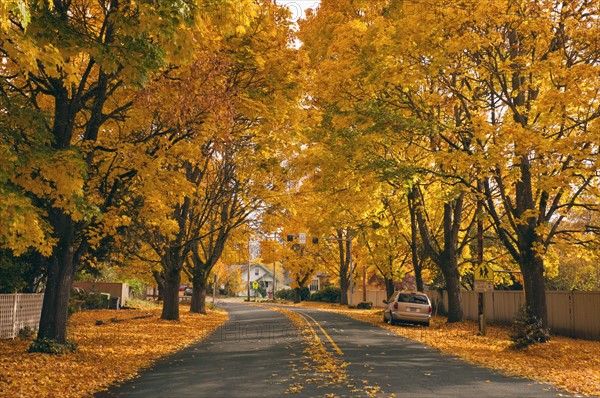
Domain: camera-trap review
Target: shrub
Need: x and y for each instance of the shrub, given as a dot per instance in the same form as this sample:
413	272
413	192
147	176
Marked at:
27	333
364	305
290	294
49	346
89	301
330	294
527	329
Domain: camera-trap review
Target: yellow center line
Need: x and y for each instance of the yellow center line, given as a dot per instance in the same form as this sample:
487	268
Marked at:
309	326
333	344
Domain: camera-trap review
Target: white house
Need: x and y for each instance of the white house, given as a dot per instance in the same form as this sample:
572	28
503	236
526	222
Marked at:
263	274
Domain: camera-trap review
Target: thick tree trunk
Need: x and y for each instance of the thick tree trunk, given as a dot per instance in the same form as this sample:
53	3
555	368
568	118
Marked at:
532	266
414	231
159	277
170	309
449	266
389	287
419	277
298	295
61	273
345	248
198	305
447	259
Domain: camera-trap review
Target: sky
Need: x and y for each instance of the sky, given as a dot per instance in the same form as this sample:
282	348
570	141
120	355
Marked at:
297	7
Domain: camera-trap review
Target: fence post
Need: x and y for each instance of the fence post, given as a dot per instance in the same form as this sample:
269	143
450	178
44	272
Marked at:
14	316
572	332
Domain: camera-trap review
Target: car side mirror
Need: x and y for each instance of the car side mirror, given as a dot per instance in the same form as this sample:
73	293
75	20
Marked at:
385	302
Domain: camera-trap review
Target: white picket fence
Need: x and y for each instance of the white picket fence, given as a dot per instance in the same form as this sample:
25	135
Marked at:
18	311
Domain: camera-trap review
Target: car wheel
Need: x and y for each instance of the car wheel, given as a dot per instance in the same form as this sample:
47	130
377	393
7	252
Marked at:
393	322
426	324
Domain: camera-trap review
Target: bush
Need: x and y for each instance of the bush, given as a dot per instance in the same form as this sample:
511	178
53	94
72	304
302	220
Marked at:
364	305
527	329
330	294
27	333
290	294
49	346
89	301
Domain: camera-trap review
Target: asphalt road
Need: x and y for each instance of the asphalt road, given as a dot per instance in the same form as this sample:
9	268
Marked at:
259	352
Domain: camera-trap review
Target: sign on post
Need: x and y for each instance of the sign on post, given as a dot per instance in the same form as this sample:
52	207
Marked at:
484	286
484	272
484	282
302	238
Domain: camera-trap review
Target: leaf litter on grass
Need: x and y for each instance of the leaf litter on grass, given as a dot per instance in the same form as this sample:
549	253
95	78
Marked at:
114	351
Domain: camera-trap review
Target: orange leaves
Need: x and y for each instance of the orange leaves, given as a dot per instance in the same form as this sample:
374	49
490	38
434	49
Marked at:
108	353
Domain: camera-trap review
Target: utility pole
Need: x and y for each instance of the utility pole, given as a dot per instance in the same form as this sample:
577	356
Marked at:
365	283
214	288
274	278
249	257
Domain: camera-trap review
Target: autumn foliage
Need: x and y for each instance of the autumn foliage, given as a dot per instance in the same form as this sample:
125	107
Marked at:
410	137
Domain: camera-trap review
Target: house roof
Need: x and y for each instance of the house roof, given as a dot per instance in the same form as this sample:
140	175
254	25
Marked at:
253	266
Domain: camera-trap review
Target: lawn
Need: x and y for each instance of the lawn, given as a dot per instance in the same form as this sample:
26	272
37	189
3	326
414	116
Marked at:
125	342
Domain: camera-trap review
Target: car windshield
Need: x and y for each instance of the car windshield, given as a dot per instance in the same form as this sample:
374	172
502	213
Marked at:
412	298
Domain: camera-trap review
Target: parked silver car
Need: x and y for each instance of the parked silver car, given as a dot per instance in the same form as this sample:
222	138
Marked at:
412	307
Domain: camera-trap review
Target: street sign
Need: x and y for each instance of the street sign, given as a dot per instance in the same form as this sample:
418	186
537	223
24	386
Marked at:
482	286
484	272
302	238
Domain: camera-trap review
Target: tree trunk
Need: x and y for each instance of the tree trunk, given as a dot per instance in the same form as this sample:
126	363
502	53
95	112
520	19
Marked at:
449	267
389	287
532	266
170	309
298	295
414	231
159	277
61	273
198	305
345	248
447	258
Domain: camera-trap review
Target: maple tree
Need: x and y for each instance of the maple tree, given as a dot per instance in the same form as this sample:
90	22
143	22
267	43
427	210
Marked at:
346	47
504	104
67	67
388	242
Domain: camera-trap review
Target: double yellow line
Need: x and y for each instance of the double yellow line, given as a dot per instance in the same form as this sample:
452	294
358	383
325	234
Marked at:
307	318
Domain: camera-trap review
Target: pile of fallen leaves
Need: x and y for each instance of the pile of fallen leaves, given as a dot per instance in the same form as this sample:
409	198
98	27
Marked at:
112	347
571	364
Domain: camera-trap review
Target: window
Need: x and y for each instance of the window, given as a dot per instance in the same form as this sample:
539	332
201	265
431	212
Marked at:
412	298
256	271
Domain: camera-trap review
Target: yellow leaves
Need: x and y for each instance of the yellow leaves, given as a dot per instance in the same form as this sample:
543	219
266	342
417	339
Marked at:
23	225
132	343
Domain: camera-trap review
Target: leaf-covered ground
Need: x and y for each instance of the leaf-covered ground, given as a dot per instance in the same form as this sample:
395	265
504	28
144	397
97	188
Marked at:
127	341
571	364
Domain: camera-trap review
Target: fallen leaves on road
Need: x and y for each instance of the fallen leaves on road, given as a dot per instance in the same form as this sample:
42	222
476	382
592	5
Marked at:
327	369
571	364
125	342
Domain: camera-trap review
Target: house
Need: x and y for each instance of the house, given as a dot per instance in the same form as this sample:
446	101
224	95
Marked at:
318	282
263	274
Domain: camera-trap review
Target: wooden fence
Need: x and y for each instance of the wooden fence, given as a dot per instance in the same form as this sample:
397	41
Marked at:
571	314
18	311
